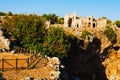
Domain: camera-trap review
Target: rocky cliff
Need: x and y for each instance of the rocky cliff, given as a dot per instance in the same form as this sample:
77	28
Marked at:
112	64
99	60
7	40
4	42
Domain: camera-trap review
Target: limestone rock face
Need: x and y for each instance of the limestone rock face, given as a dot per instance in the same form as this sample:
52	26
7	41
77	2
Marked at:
4	42
53	66
112	64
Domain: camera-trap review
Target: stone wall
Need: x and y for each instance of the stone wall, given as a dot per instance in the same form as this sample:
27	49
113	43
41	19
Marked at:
71	20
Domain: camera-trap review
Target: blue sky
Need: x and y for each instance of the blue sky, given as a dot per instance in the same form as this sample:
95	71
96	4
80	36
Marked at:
96	8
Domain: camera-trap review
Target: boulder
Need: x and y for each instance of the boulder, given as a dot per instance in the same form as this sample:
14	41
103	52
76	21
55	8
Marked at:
4	42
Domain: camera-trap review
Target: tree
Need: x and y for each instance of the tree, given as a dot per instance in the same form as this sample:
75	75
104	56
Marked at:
110	34
56	43
60	20
52	17
117	22
28	29
108	20
9	13
2	13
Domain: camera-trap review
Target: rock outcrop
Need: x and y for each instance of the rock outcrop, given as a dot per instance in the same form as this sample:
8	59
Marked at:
104	64
4	42
53	66
112	64
7	40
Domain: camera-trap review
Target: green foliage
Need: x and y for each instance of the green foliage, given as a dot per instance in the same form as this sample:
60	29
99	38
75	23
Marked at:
53	18
2	13
56	43
28	29
110	34
30	32
8	13
60	20
104	17
108	20
84	34
117	22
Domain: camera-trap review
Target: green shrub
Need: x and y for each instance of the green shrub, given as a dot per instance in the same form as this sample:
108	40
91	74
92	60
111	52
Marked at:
84	34
117	22
110	34
55	43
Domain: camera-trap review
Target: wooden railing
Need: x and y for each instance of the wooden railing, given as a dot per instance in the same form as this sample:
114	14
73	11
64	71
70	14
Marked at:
15	64
23	50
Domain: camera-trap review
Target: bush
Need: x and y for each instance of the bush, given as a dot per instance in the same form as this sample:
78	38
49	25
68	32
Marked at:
84	34
117	22
28	29
55	43
110	34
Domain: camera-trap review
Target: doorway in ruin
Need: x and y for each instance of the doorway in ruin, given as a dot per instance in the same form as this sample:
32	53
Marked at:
93	25
69	22
77	25
89	24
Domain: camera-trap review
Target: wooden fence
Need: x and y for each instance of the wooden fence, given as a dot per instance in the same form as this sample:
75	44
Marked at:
15	64
24	50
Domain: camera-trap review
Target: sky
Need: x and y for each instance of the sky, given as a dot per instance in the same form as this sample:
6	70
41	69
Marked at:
96	8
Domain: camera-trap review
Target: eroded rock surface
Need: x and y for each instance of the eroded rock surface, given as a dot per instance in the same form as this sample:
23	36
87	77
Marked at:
112	64
4	42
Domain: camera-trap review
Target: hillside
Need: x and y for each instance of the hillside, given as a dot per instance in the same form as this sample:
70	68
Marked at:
89	58
109	53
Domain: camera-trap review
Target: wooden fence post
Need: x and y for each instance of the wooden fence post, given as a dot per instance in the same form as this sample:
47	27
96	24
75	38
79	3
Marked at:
2	64
28	63
16	63
23	50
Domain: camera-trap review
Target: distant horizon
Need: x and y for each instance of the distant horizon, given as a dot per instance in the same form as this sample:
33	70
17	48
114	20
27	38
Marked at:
97	9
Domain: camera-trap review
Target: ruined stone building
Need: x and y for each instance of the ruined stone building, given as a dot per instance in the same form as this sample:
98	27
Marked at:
71	20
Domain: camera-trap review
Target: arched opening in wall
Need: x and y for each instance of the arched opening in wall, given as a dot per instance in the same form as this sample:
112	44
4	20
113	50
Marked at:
77	25
89	18
89	24
69	22
93	25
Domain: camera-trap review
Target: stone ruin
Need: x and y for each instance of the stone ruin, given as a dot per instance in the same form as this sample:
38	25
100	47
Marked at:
71	20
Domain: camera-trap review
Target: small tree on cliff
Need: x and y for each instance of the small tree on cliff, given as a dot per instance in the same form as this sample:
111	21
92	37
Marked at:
84	34
117	22
110	34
